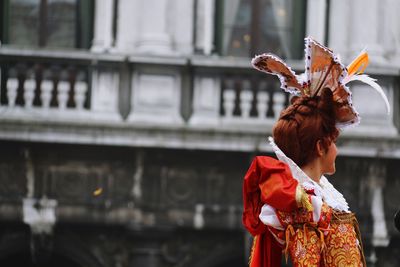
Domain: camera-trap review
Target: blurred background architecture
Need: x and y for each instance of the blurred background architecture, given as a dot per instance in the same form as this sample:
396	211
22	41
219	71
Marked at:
126	126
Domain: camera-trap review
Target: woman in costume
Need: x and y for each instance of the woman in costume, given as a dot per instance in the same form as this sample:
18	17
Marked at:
289	205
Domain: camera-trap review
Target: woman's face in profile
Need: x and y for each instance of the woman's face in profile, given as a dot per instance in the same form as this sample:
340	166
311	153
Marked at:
328	159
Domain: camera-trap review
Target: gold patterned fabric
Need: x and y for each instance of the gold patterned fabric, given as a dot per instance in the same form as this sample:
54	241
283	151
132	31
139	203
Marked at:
334	241
345	235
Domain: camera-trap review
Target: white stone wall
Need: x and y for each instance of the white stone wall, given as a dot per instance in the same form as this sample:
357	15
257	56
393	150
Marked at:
156	27
371	24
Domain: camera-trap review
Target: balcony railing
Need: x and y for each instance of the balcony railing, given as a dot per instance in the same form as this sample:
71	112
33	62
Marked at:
44	86
49	86
163	101
243	100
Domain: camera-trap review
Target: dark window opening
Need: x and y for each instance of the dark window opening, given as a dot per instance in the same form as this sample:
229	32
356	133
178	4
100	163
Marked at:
47	23
245	28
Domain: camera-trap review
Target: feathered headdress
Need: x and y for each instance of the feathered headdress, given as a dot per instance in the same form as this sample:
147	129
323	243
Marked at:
323	70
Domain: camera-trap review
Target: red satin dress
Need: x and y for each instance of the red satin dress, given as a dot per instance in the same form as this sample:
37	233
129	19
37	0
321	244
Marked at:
333	240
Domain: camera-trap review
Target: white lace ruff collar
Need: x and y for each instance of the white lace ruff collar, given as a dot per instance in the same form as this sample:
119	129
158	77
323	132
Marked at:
323	189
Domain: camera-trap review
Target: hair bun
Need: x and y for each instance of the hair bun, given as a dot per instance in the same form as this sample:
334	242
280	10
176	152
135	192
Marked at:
303	123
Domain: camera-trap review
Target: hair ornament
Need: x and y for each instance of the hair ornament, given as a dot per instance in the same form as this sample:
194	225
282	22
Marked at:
323	69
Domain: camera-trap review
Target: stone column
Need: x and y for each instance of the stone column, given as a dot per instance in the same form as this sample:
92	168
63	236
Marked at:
205	15
103	35
208	26
127	25
182	19
391	30
365	27
316	21
154	37
339	16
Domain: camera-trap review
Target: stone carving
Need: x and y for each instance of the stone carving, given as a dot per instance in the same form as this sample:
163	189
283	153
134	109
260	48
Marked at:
74	183
178	185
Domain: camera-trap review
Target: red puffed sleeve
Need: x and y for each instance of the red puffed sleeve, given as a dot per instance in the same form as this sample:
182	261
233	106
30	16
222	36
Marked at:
279	190
267	181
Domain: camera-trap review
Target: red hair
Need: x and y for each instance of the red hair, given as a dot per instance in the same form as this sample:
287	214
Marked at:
303	123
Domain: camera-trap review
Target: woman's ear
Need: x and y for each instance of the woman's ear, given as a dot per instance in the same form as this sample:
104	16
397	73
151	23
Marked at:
319	148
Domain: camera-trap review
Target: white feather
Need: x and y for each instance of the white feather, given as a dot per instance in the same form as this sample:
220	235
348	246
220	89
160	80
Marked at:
371	82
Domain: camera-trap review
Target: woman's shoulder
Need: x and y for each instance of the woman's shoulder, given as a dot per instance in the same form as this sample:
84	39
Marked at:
268	162
263	167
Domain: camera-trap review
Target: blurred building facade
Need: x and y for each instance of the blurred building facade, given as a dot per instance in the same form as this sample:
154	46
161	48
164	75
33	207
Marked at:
127	126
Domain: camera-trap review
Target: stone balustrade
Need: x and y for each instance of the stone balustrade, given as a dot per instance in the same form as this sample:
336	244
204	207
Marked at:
252	103
244	100
58	89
